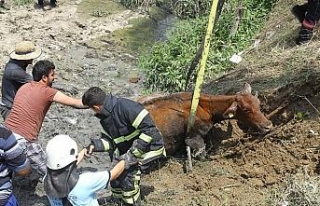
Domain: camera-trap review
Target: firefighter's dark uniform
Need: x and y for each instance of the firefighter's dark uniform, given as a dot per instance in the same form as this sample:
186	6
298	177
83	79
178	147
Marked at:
127	126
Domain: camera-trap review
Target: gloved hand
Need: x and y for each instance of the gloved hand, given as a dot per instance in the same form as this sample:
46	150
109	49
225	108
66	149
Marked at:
129	159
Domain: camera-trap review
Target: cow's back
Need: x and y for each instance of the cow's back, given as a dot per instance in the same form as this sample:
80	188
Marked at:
170	114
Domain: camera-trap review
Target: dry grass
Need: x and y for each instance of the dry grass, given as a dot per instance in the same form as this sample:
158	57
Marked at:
271	66
300	189
276	61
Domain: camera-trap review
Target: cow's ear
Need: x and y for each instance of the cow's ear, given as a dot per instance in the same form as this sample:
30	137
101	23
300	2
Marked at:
246	88
231	111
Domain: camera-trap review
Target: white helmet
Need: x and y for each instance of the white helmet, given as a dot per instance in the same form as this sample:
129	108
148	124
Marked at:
61	150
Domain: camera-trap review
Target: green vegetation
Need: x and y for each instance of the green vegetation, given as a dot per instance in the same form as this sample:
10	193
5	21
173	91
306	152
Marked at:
136	3
166	65
191	8
137	38
22	2
98	8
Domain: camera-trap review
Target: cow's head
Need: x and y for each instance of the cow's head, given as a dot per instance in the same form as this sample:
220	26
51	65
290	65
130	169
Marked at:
246	109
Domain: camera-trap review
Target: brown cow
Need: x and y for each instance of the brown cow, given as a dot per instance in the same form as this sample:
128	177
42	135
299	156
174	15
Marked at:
170	113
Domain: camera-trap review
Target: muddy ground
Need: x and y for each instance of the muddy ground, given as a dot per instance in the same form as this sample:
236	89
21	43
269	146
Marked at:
243	169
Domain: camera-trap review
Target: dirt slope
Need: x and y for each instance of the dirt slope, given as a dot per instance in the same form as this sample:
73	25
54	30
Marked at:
243	168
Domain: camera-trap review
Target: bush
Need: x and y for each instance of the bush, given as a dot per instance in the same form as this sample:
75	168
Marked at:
22	2
165	67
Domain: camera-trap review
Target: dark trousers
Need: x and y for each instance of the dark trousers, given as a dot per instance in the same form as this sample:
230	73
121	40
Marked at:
4	111
127	186
52	2
312	10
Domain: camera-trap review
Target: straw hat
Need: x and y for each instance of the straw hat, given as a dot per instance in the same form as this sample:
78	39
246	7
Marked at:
25	50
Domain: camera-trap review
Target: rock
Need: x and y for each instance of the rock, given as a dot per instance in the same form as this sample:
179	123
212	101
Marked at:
72	121
80	25
312	133
134	79
256	182
270	180
250	171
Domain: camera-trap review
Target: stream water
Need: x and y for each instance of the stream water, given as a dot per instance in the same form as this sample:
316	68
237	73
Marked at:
110	60
142	30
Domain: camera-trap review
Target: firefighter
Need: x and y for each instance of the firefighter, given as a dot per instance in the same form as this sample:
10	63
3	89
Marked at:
128	133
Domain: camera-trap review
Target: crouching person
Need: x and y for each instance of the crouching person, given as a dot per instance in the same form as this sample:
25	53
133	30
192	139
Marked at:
13	161
129	132
63	184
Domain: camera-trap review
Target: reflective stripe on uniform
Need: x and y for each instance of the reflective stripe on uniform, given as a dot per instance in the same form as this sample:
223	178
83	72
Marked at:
145	138
126	138
137	175
131	200
132	196
116	192
154	153
137	153
106	145
131	193
139	118
116	152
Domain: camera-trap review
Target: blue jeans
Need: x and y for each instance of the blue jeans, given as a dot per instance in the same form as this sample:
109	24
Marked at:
12	201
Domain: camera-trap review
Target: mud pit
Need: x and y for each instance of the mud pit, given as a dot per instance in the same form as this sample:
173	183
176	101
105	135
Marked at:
243	168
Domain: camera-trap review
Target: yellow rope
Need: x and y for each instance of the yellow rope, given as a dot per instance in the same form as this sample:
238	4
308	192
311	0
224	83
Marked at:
204	57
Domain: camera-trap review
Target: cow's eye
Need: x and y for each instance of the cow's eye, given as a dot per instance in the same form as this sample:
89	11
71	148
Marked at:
246	110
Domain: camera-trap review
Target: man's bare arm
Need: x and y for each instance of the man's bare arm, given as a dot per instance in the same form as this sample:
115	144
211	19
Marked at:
69	101
117	170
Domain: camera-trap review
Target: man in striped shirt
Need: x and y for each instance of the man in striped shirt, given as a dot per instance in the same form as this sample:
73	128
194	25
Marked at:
13	160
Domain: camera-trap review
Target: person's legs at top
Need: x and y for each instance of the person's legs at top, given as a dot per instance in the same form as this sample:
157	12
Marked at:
53	3
299	11
309	22
313	12
40	3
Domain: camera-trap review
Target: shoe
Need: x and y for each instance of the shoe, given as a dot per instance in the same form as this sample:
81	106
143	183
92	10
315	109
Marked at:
40	4
135	203
299	12
53	4
109	201
305	35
